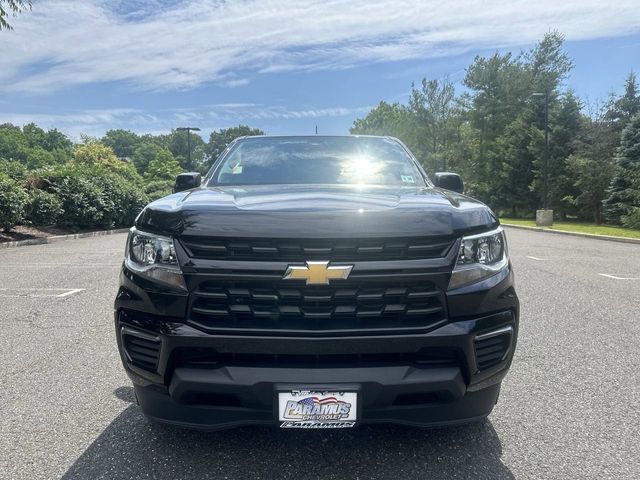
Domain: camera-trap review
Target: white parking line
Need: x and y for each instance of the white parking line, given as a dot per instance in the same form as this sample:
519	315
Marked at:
535	258
616	277
70	292
65	265
32	292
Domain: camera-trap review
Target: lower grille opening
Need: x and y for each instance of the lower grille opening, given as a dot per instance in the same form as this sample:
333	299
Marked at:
142	349
492	347
419	398
209	358
211	399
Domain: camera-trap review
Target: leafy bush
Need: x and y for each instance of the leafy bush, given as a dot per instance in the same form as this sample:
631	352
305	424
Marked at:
82	200
44	208
159	189
93	196
124	201
12	169
13	200
163	167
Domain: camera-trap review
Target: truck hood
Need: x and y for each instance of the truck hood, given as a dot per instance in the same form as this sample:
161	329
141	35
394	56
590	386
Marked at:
315	211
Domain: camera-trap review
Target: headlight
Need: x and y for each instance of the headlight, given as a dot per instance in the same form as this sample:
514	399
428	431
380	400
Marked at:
154	257
480	257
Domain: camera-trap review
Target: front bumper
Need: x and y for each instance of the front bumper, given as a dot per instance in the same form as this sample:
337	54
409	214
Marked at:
209	396
261	386
186	376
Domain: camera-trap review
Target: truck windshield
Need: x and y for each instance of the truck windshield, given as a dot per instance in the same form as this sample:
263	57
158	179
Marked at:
317	160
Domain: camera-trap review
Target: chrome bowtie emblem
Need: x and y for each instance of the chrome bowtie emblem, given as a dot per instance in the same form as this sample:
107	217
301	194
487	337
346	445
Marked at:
317	273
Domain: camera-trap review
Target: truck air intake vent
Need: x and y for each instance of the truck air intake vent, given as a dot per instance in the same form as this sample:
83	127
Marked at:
492	347
142	349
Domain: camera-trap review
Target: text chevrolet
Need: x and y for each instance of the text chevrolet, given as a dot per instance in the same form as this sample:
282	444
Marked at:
316	282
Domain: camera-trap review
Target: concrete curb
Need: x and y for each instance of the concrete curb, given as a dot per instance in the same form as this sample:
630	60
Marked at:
576	234
60	238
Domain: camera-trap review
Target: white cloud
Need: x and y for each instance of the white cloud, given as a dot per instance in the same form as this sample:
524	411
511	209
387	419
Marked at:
162	45
237	82
88	117
90	122
97	122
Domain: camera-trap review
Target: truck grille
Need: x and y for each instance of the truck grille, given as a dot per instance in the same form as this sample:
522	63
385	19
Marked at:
350	250
350	308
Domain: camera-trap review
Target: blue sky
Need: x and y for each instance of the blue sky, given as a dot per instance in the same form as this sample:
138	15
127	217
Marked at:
282	65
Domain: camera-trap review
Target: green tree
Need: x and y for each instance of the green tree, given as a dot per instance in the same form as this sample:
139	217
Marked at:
122	142
13	7
494	134
57	141
591	179
144	153
163	167
565	127
498	115
32	146
510	122
13	144
548	65
622	109
386	119
34	135
632	218
219	139
432	107
178	144
39	157
623	195
95	154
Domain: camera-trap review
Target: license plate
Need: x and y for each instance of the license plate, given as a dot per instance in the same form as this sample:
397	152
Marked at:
314	409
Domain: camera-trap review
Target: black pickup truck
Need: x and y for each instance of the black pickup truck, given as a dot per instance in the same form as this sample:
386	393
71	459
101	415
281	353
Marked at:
316	282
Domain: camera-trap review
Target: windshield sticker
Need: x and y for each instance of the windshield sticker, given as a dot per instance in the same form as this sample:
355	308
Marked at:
407	178
237	170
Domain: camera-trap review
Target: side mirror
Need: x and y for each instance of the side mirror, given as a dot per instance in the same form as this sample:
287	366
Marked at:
449	181
186	181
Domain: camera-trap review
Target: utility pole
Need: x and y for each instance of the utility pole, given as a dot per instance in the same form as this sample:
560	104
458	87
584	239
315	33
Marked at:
188	130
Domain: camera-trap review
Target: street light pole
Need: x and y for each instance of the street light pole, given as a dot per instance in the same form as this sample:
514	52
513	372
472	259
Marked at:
546	151
188	130
544	217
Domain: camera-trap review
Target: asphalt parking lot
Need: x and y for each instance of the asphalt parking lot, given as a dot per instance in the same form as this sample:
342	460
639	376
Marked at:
568	409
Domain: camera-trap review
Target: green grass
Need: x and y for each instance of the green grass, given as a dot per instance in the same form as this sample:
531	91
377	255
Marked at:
580	228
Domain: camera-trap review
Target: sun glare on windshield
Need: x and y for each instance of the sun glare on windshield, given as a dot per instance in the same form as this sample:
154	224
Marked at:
317	160
360	170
